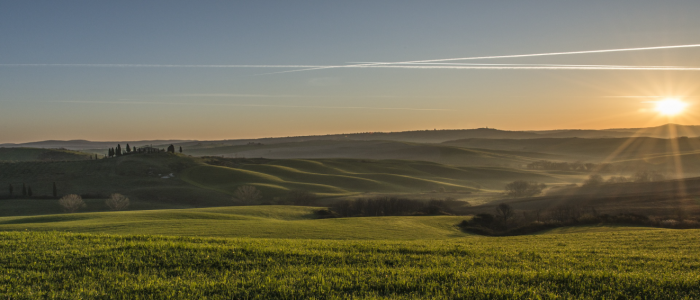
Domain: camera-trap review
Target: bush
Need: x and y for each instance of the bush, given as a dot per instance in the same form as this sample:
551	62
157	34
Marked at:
522	188
71	203
117	202
247	194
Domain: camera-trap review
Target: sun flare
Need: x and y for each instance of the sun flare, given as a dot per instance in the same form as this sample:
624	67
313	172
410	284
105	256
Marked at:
670	106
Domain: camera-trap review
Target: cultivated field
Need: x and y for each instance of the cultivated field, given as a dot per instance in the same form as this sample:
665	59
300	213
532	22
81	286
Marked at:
622	264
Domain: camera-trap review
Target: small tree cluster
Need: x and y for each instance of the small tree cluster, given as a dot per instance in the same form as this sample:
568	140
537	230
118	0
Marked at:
247	195
522	188
71	203
117	202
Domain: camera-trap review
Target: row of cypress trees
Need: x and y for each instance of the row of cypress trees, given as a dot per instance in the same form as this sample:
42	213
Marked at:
111	152
27	190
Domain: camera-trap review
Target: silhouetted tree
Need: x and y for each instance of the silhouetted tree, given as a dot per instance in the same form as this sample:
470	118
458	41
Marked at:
180	149
29	191
505	212
119	150
11	189
171	149
24	190
55	191
96	157
135	149
128	148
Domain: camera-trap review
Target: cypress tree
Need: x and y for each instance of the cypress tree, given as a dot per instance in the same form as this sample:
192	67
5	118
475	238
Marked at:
55	191
128	149
119	150
24	189
180	149
29	191
12	190
171	149
96	157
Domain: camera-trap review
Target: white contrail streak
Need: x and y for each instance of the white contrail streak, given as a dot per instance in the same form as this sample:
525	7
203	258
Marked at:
457	67
158	66
499	56
253	105
543	65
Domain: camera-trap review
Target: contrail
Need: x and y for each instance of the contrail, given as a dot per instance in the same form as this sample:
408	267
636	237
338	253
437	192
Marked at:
506	67
499	56
254	105
159	66
543	65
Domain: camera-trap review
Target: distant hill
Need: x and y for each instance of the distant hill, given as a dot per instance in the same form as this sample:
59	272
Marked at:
373	150
83	144
36	154
598	149
417	136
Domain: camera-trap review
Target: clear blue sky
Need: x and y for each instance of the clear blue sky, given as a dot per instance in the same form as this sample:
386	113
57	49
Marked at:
84	99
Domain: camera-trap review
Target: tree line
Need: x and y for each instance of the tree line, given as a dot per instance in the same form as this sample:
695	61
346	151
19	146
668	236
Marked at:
27	192
118	151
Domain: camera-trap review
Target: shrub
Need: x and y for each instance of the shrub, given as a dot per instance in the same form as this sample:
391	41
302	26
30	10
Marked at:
117	202
522	188
247	194
71	203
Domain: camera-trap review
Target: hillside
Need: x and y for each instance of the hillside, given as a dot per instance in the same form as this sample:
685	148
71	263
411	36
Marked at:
36	154
664	199
444	154
599	149
416	136
163	180
242	221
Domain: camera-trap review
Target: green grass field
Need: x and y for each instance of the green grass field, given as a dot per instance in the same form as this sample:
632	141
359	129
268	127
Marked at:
241	221
640	264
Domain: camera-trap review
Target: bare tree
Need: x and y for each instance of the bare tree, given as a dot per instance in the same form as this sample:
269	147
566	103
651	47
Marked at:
247	194
71	203
117	202
505	212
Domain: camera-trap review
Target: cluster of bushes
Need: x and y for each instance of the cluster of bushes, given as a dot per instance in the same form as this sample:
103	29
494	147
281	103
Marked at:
567	166
389	206
505	221
72	203
522	188
641	176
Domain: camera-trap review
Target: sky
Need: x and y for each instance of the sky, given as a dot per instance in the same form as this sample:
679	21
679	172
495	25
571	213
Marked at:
208	70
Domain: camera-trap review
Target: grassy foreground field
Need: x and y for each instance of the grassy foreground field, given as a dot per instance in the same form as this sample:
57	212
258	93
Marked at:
654	264
242	221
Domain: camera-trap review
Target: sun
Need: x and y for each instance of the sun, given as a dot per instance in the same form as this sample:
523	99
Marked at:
670	106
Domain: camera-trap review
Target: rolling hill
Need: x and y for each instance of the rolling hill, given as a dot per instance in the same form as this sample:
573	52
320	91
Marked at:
37	154
163	180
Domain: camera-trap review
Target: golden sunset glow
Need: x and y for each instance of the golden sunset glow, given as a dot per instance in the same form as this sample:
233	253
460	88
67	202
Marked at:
670	106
